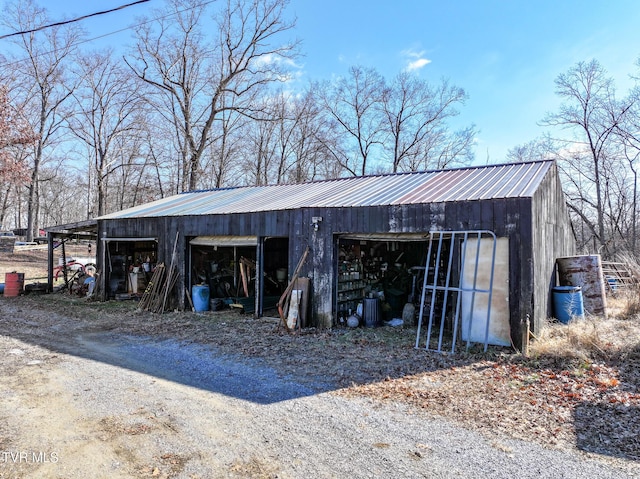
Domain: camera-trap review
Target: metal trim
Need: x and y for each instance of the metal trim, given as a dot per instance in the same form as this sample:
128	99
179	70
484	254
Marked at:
386	236
224	241
106	240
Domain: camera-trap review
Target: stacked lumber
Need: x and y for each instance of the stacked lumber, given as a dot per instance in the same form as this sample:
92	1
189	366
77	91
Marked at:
157	293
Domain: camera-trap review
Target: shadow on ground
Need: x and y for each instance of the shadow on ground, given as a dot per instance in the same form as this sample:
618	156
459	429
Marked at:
231	354
613	428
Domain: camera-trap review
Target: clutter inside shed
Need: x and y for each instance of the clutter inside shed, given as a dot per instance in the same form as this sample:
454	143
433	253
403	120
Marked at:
376	279
130	266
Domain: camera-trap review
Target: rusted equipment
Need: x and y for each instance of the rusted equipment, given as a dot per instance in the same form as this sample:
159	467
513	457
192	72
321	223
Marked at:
585	271
13	284
246	265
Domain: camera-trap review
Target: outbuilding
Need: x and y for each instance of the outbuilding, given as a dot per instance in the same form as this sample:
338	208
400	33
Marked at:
456	244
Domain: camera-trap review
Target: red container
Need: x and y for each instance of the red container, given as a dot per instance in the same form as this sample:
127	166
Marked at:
13	284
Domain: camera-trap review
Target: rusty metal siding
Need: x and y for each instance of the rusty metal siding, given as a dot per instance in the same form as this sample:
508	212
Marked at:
463	184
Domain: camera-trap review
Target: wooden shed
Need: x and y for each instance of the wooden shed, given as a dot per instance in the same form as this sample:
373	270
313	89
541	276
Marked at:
437	240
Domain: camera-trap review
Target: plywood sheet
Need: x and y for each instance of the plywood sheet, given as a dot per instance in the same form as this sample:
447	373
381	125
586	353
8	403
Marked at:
474	307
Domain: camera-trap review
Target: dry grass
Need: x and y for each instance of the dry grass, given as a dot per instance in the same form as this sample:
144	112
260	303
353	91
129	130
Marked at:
593	338
625	305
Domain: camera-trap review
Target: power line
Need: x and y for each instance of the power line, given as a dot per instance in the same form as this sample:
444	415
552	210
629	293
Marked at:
88	40
57	24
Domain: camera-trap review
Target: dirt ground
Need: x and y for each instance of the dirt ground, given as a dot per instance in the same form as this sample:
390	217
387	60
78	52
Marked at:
587	402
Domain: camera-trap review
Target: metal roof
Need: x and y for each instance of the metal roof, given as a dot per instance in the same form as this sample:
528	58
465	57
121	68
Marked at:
513	180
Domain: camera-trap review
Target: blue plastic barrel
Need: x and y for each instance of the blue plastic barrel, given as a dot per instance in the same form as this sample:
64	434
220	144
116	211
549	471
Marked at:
200	296
568	303
1	288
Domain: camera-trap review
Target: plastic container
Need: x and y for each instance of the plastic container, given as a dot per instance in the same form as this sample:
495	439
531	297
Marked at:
200	297
585	271
13	284
568	303
281	274
372	315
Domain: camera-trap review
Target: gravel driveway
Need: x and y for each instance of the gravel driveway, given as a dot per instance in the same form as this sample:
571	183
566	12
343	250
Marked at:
98	404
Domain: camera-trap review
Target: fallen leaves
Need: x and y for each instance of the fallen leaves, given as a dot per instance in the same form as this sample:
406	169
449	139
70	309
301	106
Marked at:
521	401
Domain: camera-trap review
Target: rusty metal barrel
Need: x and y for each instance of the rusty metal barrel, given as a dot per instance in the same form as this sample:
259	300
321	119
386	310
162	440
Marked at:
13	284
585	271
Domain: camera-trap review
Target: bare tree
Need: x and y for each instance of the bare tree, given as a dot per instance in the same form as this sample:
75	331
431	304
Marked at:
225	149
289	146
259	152
308	145
41	85
15	133
416	115
543	148
284	134
63	192
133	179
592	112
193	72
629	135
286	118
109	107
353	105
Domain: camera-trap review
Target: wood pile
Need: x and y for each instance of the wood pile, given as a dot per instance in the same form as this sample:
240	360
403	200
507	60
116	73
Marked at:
158	291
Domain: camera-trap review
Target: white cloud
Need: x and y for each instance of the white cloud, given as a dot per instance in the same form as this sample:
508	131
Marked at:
416	59
271	59
417	64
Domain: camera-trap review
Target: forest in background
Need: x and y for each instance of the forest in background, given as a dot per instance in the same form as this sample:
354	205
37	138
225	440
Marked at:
204	98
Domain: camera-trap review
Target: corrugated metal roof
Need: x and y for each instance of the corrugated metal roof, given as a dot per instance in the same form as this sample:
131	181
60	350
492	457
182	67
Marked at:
514	180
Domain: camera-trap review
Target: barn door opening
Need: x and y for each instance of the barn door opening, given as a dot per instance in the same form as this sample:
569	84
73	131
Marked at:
244	271
377	275
215	261
274	265
129	265
458	301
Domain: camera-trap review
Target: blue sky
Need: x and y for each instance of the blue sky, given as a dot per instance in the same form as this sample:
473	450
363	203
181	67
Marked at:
505	54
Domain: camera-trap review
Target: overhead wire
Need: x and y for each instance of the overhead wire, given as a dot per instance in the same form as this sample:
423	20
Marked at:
66	22
6	64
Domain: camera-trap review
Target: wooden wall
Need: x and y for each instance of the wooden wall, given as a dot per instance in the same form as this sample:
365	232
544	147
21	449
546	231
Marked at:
553	237
538	229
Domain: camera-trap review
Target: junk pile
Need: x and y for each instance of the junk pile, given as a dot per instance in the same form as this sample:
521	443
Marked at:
619	276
